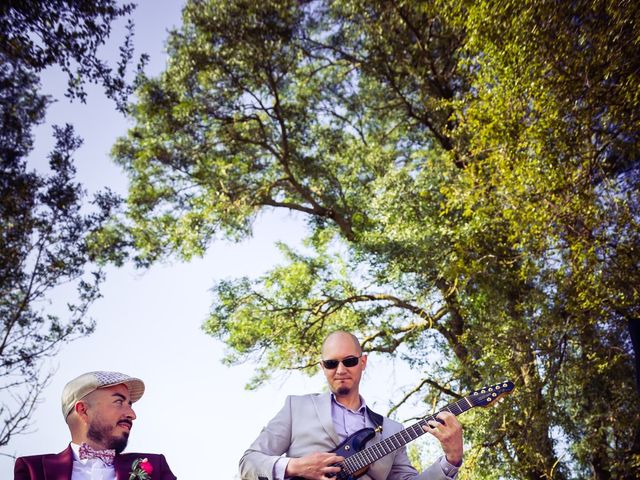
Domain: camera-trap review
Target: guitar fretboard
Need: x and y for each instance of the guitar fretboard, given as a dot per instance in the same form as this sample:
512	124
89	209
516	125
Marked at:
375	452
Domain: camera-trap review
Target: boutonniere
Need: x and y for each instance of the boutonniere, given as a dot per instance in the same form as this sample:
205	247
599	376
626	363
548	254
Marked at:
141	469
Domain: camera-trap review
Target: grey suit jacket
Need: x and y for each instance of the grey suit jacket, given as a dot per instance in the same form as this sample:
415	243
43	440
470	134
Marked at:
304	426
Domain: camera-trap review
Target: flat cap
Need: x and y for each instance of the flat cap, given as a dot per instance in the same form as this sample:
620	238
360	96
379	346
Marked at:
80	387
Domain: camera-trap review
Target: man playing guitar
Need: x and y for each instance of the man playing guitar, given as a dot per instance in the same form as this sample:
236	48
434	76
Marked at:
302	439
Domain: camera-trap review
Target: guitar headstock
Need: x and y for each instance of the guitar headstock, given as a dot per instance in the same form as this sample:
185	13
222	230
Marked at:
489	395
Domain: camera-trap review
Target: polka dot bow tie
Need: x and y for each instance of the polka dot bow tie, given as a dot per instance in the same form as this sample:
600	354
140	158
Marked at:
87	452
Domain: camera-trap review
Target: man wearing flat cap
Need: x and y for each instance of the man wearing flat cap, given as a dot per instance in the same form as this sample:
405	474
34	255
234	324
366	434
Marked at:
97	409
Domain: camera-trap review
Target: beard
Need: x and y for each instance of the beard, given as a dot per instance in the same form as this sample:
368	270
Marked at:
101	434
342	391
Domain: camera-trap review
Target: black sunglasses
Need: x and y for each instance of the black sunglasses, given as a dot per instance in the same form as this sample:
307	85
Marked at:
347	362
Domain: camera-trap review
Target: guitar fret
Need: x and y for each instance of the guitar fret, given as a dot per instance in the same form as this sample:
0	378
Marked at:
384	445
370	457
348	463
419	425
363	458
379	450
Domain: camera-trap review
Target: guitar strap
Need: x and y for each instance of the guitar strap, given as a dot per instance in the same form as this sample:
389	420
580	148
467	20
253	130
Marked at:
376	418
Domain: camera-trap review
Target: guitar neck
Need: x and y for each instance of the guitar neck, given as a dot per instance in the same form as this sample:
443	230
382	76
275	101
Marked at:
367	456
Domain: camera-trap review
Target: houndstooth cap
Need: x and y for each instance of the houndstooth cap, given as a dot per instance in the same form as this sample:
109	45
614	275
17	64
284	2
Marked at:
80	387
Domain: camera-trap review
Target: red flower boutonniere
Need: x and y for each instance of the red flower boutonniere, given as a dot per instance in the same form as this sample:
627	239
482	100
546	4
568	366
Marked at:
141	469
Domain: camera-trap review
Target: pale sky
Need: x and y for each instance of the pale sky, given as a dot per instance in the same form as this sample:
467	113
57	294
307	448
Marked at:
195	410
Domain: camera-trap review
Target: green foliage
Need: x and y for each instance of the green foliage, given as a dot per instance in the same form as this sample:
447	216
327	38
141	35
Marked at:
45	219
65	33
469	174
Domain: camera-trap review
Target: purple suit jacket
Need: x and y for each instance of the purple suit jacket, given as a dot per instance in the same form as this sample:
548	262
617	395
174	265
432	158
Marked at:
59	466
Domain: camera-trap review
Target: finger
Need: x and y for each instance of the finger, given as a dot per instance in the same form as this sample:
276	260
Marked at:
432	428
442	417
336	459
331	469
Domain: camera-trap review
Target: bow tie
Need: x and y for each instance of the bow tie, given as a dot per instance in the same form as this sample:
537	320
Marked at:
87	452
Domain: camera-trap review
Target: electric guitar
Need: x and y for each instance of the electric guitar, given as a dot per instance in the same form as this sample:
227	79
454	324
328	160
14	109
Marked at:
358	457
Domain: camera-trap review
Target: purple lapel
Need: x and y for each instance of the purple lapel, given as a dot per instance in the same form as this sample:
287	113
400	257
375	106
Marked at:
58	467
122	465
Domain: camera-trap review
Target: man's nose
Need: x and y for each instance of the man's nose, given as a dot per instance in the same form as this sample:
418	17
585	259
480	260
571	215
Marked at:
341	368
131	413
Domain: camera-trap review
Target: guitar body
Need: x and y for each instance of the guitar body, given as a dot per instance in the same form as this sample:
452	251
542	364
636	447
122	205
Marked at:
351	445
355	442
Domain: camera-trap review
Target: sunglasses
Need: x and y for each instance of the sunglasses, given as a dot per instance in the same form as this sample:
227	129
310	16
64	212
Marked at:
347	362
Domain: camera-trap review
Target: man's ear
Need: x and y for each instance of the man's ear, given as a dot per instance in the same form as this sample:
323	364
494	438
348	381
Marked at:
363	359
81	409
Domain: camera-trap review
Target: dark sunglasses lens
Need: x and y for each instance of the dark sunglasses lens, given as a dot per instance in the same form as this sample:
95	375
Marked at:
350	362
347	362
330	364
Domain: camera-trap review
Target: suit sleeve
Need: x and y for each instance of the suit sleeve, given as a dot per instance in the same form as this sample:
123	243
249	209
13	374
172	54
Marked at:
21	470
403	470
257	462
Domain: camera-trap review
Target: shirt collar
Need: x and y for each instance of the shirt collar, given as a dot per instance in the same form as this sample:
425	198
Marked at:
75	449
361	409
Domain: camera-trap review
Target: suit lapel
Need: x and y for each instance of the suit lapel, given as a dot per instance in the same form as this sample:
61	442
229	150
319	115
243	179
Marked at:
122	465
322	404
58	467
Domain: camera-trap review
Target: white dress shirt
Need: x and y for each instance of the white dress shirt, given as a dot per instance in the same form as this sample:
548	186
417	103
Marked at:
90	469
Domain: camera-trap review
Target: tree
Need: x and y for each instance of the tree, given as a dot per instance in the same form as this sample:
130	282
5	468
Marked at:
68	34
46	222
469	182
